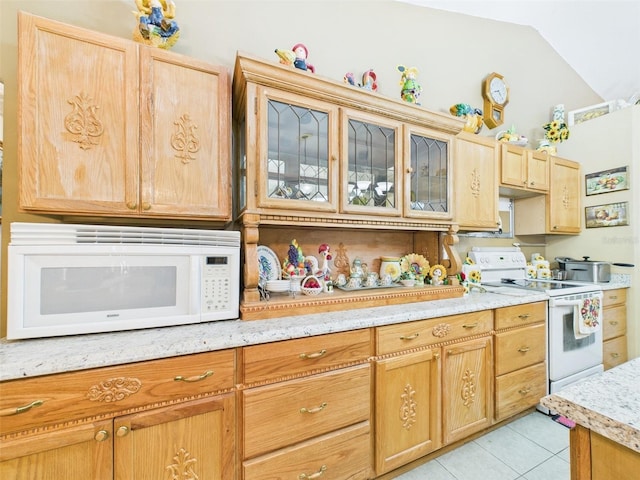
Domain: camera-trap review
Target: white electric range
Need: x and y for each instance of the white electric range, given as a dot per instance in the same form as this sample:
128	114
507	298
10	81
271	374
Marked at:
571	355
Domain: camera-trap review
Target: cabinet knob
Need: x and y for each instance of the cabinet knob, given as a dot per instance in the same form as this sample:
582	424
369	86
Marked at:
132	205
146	206
524	316
317	409
101	435
470	325
524	391
409	170
613	322
532	184
123	431
410	337
615	355
524	349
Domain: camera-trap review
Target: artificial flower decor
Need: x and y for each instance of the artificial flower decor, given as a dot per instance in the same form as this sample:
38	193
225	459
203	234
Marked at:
556	131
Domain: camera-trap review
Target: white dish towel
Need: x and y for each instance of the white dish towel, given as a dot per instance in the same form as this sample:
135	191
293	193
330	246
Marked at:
586	317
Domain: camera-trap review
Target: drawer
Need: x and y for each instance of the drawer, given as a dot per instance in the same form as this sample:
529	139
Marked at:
285	413
614	297
519	390
339	455
103	391
404	336
614	352
520	348
301	356
614	323
520	315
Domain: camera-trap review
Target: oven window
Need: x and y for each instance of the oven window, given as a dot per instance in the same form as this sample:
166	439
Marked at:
569	340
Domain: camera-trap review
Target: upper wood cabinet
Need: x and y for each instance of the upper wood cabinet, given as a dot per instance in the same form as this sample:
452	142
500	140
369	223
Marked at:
475	182
558	212
122	130
310	148
524	169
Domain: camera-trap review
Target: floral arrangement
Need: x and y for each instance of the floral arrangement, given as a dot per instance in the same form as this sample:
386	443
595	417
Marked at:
556	131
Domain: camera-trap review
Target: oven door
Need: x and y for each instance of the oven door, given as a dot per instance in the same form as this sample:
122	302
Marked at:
571	352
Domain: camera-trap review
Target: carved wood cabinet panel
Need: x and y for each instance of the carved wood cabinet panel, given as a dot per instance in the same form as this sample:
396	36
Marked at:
122	130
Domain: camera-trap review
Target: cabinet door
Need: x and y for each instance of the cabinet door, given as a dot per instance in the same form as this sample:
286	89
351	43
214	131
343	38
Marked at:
513	166
78	135
185	137
190	440
427	174
538	171
467	388
294	146
475	182
76	453
371	157
407	409
563	211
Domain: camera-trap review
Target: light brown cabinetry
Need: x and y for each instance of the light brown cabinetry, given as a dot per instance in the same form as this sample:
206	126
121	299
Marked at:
306	407
520	358
316	154
433	386
559	211
82	427
614	327
125	130
475	182
524	169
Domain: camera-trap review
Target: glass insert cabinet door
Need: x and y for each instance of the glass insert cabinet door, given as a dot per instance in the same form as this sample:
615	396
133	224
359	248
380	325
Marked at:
298	170
370	156
427	191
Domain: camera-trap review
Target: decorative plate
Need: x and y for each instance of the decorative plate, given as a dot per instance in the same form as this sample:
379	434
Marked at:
268	264
412	262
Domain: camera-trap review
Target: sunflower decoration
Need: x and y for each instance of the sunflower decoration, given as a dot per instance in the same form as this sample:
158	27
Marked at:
437	273
414	263
469	261
556	131
475	276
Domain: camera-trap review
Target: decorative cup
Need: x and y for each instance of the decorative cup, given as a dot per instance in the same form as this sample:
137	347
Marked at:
354	282
341	280
372	280
386	280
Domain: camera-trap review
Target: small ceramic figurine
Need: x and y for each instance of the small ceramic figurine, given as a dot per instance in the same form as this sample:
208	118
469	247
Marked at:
369	80
324	250
473	116
156	26
411	89
301	58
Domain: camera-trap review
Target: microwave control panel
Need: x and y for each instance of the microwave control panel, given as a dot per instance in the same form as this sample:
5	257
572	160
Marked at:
216	284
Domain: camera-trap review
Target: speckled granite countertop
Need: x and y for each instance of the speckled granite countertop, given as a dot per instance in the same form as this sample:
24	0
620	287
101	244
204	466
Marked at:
608	404
30	358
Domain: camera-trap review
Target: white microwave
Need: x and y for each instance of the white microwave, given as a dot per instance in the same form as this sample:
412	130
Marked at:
66	279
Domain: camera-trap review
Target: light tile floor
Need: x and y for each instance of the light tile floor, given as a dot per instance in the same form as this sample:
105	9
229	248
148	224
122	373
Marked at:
533	447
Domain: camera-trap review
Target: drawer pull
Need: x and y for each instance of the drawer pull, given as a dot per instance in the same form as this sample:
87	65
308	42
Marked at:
101	435
318	474
25	408
206	374
470	325
122	431
525	391
524	349
615	355
524	316
613	297
317	409
410	337
613	322
310	356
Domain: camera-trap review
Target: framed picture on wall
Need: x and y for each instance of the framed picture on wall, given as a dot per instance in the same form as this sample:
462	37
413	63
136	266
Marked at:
607	181
609	215
589	113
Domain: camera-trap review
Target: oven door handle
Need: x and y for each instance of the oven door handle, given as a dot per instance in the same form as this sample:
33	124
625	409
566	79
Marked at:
564	303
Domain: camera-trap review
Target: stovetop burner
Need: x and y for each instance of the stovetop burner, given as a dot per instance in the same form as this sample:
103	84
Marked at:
550	287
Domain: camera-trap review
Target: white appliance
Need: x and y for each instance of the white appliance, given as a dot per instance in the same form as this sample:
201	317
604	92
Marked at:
66	279
571	355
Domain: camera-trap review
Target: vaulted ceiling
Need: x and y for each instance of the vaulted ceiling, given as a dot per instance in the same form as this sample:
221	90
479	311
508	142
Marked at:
599	39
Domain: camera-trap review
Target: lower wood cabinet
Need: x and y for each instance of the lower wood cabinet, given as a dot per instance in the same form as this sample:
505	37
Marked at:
614	327
189	440
408	408
520	358
467	388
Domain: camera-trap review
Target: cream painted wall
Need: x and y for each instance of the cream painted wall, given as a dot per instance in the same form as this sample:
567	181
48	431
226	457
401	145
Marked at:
453	53
603	143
